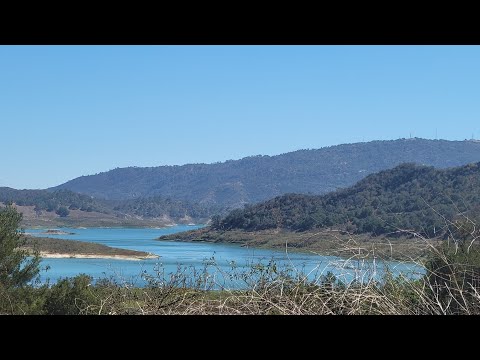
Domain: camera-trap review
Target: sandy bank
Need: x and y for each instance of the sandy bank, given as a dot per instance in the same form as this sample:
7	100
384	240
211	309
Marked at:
51	255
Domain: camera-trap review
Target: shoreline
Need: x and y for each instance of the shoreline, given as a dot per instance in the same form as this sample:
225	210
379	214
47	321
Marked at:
62	248
112	226
324	243
50	255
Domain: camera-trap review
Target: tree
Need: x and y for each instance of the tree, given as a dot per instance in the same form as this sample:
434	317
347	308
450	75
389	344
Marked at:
62	211
51	205
17	268
71	296
216	221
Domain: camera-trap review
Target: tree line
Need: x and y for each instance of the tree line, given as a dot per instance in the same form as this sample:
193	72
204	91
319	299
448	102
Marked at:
407	197
63	201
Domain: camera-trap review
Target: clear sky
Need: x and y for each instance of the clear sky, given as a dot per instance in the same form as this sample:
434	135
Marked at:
67	111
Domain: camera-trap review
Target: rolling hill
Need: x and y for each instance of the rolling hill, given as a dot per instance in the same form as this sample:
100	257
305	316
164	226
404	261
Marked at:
42	207
408	197
376	216
252	179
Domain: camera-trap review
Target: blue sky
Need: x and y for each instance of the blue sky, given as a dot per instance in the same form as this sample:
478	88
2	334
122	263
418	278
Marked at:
67	111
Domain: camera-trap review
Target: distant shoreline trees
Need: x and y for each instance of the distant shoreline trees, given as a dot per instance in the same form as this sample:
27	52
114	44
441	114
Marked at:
62	211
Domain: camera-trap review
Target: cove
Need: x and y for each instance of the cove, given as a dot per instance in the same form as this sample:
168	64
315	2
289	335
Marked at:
219	260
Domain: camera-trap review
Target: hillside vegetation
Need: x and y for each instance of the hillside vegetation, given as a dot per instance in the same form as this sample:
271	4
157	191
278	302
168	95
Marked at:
450	285
408	197
51	201
64	207
257	178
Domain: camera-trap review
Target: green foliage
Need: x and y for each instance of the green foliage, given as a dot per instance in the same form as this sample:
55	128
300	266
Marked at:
408	197
26	300
70	296
63	201
16	268
158	206
270	289
62	211
216	221
258	178
50	200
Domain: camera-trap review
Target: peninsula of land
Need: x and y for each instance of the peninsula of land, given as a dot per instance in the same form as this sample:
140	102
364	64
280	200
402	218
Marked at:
61	248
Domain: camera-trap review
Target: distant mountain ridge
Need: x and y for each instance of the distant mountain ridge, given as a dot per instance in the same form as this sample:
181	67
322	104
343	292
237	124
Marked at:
257	178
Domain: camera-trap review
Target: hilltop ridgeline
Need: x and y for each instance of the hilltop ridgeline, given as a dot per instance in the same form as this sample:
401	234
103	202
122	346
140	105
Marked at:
234	183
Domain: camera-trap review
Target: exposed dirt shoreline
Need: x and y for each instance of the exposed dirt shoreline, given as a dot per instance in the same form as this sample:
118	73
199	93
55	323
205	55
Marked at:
45	254
61	248
322	242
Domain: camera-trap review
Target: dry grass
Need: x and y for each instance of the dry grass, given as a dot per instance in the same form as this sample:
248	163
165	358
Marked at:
271	291
451	285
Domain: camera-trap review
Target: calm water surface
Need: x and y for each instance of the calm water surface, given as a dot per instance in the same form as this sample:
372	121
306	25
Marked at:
173	254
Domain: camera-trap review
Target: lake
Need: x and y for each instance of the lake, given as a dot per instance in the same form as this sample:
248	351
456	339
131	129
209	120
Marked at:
192	258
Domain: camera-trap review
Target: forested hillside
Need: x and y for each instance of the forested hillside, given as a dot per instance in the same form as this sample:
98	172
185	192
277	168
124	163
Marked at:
51	201
409	197
158	206
257	178
62	201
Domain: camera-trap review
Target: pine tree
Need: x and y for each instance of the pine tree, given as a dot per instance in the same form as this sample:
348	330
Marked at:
17	268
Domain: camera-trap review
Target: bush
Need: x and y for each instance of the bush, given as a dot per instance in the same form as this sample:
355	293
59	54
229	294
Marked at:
62	211
70	296
454	270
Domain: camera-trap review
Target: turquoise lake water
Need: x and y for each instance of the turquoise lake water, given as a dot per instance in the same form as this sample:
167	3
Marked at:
218	259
